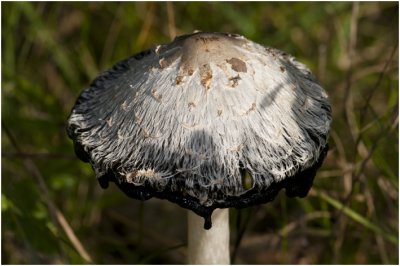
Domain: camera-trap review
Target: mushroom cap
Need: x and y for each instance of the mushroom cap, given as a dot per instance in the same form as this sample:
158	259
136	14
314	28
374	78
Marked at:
210	120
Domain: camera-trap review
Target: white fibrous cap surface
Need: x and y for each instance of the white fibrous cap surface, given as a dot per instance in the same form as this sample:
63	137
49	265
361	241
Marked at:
192	114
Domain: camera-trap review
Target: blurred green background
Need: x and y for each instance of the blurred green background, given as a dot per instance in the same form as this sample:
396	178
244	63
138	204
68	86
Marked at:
52	209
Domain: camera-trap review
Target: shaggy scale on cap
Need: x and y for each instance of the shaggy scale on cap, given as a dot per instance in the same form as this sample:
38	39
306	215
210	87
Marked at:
211	120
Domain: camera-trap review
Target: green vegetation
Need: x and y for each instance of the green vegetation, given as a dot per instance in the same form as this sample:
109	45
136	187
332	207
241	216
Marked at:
53	210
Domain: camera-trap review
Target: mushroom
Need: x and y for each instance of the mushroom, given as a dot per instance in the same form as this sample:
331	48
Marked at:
209	121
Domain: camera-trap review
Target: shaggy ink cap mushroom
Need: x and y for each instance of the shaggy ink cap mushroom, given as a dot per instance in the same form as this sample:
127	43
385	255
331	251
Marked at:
211	120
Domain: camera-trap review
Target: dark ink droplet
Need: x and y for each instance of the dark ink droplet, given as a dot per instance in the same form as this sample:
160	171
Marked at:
103	181
207	222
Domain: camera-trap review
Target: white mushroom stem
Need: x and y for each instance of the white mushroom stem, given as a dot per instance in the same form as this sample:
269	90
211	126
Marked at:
209	246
